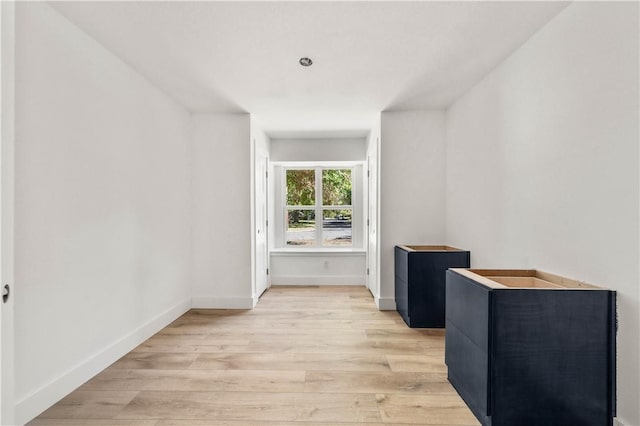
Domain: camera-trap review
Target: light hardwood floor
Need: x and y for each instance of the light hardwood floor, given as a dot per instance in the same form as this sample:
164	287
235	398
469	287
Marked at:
321	355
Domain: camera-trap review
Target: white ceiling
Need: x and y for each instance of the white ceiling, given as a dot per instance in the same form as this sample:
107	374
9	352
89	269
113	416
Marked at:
368	56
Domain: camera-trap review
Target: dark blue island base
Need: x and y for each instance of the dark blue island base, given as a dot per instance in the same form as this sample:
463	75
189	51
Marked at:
525	347
420	282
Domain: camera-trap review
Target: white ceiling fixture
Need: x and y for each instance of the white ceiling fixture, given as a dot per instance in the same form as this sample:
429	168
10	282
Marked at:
237	56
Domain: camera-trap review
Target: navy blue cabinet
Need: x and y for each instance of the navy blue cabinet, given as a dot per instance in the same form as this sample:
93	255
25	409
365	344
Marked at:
420	282
528	348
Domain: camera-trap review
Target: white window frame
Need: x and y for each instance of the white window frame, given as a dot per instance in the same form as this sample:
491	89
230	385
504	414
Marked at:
319	208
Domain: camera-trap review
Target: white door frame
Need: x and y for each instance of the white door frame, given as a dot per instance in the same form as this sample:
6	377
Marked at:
373	215
261	228
369	201
266	219
7	123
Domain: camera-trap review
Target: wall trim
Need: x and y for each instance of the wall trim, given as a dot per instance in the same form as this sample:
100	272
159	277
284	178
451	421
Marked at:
45	396
315	252
617	422
222	302
318	280
385	303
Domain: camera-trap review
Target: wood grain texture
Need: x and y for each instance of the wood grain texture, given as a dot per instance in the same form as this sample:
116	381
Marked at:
304	355
346	381
416	363
254	406
155	361
288	361
425	409
90	405
194	380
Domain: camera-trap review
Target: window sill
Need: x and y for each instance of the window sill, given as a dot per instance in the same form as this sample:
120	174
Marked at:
318	251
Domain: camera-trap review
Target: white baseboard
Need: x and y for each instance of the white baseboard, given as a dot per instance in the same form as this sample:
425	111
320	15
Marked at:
222	303
386	303
44	397
318	280
617	422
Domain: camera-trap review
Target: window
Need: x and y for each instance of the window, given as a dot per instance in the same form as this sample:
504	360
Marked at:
318	207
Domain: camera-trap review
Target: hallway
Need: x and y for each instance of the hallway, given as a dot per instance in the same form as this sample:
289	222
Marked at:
321	355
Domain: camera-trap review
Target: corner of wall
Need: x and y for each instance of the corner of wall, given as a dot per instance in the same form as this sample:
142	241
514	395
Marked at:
221	266
30	406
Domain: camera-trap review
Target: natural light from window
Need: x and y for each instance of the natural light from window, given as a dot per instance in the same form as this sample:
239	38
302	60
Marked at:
334	208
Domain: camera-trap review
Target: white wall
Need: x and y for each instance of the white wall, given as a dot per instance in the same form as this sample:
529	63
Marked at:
542	164
318	268
103	208
333	149
412	187
222	211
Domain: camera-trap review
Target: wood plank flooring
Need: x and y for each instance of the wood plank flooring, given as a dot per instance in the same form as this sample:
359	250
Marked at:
317	355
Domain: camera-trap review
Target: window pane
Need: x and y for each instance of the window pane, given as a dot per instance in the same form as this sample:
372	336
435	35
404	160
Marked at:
301	227
336	227
336	187
301	187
